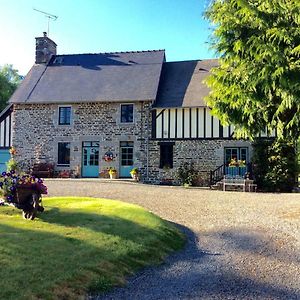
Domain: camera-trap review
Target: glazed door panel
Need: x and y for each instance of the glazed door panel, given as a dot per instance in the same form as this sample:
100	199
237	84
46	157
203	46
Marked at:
126	159
90	159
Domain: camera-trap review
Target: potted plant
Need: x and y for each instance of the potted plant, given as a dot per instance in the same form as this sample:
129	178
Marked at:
135	174
242	163
112	173
233	163
76	173
24	192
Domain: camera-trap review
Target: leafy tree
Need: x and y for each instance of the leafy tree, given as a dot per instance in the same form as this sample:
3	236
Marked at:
9	80
256	85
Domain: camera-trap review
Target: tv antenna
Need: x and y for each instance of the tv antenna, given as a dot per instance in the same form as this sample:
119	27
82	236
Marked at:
48	16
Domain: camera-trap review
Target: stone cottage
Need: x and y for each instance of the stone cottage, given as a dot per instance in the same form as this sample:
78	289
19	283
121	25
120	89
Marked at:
89	112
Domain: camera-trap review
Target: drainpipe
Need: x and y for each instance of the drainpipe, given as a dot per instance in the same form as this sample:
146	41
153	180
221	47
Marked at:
147	145
147	136
147	165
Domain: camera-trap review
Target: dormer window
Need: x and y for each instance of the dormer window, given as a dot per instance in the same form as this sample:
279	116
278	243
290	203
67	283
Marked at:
126	113
64	115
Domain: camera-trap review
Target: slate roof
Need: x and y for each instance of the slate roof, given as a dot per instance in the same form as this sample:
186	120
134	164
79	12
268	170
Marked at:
119	76
182	84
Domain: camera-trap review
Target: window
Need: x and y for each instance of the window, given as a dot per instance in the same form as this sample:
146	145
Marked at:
126	153
64	115
166	155
91	153
63	154
126	113
236	154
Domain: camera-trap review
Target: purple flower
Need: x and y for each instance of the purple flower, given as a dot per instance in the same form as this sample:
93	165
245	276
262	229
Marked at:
9	198
3	173
12	188
40	181
1	184
8	174
12	172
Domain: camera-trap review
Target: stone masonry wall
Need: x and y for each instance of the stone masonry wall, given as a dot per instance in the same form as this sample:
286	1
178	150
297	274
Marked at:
206	155
36	133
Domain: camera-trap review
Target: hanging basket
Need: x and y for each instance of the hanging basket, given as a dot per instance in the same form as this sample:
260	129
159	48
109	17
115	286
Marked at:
108	156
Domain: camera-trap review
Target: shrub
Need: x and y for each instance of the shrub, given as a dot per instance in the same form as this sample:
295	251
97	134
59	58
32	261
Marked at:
275	165
12	165
187	174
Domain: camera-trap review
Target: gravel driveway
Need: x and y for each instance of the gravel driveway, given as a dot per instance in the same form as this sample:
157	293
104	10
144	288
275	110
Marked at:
240	245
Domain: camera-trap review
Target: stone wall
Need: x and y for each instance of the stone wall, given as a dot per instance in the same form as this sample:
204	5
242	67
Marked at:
206	155
36	133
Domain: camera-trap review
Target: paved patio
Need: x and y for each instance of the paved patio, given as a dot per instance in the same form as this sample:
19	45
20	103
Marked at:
240	245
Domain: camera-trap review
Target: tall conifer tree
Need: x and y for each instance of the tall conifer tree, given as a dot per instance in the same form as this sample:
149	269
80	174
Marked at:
257	84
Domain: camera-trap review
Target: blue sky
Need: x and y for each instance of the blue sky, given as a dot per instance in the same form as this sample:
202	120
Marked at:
93	26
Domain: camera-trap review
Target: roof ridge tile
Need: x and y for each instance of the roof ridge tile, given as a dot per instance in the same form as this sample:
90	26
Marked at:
117	52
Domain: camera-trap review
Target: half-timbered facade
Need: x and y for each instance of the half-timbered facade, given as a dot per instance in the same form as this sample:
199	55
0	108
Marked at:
5	136
188	123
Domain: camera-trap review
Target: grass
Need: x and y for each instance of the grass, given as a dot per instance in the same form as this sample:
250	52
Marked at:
78	246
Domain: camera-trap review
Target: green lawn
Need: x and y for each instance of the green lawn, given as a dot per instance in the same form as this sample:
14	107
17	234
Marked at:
78	246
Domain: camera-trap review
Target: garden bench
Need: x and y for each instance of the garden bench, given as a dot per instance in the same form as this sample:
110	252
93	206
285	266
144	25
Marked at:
43	170
246	184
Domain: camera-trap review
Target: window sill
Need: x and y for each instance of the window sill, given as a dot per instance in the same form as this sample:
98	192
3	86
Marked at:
61	165
126	124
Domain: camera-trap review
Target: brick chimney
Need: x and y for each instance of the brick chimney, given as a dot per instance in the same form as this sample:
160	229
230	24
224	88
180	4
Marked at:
44	49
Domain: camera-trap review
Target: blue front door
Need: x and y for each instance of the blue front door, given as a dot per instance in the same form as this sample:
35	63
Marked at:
90	159
126	163
4	158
